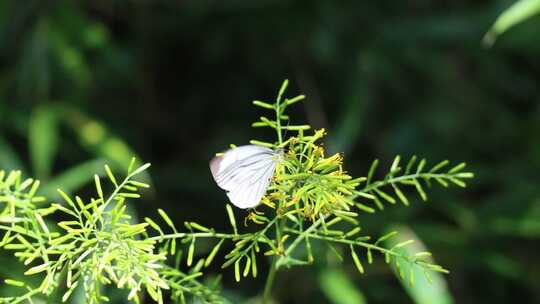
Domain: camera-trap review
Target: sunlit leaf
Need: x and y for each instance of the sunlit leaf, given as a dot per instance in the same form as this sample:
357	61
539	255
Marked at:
74	178
338	287
414	279
43	139
518	12
96	137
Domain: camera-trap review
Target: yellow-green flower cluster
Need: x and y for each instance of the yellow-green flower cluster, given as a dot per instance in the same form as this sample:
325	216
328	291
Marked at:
310	183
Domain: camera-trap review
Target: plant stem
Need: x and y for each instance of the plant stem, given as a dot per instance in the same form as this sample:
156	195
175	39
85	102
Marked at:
278	122
302	236
210	234
382	183
279	223
180	235
269	282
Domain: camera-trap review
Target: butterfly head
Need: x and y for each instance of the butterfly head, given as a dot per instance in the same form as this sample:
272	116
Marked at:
278	155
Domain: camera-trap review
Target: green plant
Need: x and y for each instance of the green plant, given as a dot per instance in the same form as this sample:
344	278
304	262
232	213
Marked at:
311	199
519	11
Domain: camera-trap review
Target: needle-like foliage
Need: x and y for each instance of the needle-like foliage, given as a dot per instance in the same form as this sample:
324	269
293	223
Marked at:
312	198
97	244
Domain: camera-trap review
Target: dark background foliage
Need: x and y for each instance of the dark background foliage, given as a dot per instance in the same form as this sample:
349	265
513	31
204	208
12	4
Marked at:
84	82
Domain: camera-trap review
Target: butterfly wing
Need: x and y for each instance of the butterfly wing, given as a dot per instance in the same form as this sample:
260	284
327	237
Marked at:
248	194
245	173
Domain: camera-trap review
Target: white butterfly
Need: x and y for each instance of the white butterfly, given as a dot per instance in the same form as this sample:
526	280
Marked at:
245	173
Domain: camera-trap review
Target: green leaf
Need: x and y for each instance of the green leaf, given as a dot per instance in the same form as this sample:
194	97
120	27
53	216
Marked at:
253	264
14	283
385	196
420	190
415	282
43	139
356	260
73	178
401	196
438	166
212	254
263	104
395	164
38	268
282	89
293	101
111	175
338	287
95	136
247	267
237	270
167	219
421	165
518	12
410	164
191	252
371	172
232	220
457	168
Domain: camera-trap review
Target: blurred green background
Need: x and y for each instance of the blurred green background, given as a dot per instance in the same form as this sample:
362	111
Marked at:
88	82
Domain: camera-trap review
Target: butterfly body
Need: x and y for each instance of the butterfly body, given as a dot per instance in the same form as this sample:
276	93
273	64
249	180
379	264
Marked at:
245	172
